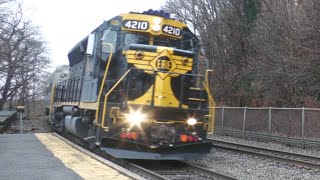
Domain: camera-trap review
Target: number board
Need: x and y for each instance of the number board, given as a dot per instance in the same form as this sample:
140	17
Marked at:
134	24
171	30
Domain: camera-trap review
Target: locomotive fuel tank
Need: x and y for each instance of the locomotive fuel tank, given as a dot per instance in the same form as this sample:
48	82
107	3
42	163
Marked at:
75	126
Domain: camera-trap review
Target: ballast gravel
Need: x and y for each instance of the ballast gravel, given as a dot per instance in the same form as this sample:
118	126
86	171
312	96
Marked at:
243	166
271	145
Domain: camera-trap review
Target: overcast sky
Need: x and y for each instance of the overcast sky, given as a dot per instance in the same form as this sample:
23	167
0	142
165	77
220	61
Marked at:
64	23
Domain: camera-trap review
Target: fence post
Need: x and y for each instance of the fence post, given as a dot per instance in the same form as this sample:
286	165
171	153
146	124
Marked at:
20	110
222	119
244	121
302	125
269	124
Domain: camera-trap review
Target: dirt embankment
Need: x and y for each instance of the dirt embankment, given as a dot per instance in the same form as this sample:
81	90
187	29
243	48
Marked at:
37	124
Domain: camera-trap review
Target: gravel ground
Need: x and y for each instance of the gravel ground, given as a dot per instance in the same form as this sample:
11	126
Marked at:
35	125
247	167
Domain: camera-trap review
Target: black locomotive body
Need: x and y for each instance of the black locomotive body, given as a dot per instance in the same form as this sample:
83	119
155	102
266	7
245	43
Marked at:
134	90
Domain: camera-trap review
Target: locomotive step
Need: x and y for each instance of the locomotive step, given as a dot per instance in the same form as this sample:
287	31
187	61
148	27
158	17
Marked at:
196	89
197	99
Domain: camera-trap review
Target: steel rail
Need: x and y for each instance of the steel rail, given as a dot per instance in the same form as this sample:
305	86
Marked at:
266	108
215	175
175	169
281	156
266	137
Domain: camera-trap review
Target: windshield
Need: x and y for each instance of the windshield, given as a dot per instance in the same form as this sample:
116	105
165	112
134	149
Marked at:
131	38
163	41
109	41
186	43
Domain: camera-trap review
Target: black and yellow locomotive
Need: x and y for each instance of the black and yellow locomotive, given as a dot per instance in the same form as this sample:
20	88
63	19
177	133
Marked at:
134	90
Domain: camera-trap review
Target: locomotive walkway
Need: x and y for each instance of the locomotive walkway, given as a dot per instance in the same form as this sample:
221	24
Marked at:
45	156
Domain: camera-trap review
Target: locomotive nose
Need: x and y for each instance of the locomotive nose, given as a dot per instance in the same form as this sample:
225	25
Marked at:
152	57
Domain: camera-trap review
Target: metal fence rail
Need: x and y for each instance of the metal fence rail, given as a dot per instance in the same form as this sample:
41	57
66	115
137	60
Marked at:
289	125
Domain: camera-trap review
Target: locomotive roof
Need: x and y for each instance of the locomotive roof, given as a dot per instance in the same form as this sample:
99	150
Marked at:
76	54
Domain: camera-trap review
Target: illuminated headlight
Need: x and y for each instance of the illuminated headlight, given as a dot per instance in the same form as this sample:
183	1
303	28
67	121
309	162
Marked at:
191	121
135	117
156	25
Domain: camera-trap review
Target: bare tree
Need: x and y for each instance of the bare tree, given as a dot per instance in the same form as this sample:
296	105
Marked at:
285	39
262	52
22	56
223	27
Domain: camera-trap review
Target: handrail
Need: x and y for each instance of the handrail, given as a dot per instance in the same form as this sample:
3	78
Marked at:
103	81
106	98
53	91
211	103
67	95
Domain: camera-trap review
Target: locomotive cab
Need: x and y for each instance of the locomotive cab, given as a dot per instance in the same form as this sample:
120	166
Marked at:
135	90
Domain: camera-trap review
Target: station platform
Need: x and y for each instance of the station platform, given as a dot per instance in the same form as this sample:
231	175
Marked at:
45	156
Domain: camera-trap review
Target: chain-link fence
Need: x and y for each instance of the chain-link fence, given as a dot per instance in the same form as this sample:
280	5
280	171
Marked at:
290	125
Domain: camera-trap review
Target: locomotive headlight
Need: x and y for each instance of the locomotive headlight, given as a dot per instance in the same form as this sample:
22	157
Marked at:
135	117
191	121
156	25
156	28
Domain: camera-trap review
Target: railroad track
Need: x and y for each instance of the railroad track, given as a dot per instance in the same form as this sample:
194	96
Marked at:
142	169
131	170
299	160
178	170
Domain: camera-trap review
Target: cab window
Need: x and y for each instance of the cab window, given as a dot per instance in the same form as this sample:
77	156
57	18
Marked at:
168	42
131	38
187	42
109	38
